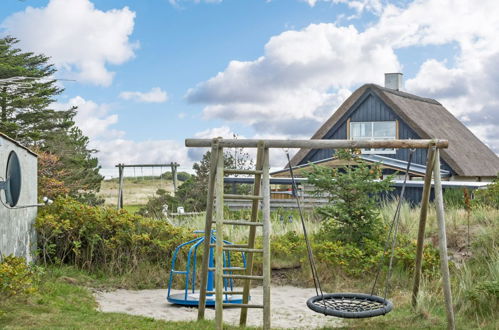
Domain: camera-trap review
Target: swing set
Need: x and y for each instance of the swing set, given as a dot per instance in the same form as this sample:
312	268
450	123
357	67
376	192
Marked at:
121	176
345	305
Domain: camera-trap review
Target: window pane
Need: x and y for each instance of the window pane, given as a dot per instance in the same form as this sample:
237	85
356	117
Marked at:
384	129
360	130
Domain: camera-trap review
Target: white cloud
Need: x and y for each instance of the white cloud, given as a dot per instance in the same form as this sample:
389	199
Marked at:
224	132
155	95
92	118
359	6
177	2
303	75
113	147
80	39
126	151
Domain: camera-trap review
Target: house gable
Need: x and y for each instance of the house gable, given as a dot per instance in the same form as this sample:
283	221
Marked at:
370	107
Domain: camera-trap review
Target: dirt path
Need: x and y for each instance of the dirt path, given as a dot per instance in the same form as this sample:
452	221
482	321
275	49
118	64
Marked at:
289	308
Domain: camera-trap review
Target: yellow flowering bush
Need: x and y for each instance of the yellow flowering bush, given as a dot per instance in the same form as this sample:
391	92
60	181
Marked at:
16	277
103	238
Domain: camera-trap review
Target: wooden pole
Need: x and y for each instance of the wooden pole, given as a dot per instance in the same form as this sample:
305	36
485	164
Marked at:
207	230
219	216
120	187
266	240
252	234
320	144
442	242
422	223
174	175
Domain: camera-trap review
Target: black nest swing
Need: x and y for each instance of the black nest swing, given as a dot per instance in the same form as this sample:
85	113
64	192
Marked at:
353	305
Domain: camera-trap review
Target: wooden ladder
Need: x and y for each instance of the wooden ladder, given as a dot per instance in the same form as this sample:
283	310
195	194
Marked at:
216	195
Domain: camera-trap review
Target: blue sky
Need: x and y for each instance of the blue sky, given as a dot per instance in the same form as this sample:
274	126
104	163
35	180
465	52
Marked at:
151	73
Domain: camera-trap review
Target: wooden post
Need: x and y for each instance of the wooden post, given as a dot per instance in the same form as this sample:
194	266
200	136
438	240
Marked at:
219	216
442	242
120	187
252	234
422	223
266	240
207	230
174	175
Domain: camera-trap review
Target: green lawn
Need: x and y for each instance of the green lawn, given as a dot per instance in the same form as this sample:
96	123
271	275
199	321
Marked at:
61	303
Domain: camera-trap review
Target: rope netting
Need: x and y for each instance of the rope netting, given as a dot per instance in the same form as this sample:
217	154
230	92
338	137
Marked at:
350	305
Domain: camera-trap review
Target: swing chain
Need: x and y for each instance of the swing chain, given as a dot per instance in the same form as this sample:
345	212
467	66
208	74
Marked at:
392	233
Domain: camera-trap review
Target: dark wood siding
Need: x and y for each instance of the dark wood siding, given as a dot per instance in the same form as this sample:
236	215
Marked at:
370	107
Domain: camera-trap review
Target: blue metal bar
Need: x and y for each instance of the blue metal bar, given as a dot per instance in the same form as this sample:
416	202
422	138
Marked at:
188	265
195	246
174	259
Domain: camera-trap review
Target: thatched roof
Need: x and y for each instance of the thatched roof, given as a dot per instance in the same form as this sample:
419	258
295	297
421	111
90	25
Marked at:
466	155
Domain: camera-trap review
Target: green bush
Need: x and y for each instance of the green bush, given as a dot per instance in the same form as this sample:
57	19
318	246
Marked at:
155	207
354	261
352	214
488	196
288	250
16	277
103	238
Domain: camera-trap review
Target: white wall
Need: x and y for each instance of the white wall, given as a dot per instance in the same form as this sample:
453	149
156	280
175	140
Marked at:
17	232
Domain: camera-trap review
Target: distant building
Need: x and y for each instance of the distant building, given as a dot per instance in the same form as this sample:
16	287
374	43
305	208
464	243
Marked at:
17	232
373	112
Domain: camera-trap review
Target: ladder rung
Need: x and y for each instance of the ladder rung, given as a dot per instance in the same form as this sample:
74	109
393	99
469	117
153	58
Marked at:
227	248
232	245
226	292
234	171
228	268
248	197
243	277
241	223
242	305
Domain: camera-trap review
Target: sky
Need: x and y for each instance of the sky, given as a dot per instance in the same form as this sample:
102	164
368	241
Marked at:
147	74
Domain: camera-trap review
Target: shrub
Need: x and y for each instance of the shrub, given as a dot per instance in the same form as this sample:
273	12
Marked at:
155	207
352	214
288	250
16	277
103	238
488	196
355	261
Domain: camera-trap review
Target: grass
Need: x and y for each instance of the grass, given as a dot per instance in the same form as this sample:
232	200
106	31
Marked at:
61	303
64	299
281	224
136	190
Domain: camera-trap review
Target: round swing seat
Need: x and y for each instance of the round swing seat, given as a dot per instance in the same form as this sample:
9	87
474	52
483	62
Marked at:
350	305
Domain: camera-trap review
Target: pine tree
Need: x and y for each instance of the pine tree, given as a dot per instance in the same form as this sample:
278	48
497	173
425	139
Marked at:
27	91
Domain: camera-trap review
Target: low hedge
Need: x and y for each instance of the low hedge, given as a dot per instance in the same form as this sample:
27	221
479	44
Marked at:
103	238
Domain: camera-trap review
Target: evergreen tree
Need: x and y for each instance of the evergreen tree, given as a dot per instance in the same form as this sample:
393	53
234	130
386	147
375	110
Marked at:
27	90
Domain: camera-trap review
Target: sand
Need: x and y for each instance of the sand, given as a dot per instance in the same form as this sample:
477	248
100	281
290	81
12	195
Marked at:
289	309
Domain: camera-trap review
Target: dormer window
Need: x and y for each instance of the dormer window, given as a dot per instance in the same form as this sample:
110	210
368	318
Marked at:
374	130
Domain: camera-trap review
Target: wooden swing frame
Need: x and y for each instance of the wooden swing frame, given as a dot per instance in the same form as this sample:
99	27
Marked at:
432	168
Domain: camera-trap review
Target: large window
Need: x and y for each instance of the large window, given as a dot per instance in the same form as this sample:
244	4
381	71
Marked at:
374	130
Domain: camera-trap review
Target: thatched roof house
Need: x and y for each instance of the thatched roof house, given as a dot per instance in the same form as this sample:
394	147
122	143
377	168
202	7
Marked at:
375	112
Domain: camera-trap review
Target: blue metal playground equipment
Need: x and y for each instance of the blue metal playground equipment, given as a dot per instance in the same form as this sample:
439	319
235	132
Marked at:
190	297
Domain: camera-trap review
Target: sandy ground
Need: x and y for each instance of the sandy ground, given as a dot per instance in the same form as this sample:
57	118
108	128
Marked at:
289	309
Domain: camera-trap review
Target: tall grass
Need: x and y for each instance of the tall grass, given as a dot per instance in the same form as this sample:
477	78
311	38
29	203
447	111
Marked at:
474	262
282	222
